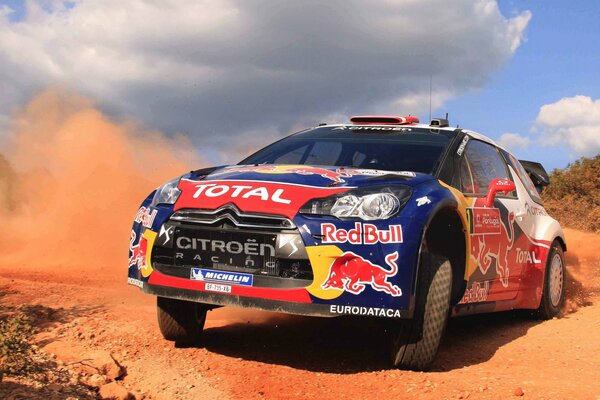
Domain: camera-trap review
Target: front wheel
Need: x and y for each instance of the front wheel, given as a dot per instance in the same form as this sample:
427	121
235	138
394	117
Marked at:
553	296
180	321
416	341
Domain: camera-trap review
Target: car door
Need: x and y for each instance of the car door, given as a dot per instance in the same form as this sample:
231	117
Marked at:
492	228
532	246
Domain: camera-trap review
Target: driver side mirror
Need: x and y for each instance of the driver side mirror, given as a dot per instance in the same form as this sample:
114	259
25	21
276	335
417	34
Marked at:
498	185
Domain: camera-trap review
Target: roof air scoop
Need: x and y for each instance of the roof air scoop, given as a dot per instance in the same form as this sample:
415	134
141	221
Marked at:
384	120
440	122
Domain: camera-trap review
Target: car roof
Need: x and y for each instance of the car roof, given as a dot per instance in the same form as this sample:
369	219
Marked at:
483	138
473	134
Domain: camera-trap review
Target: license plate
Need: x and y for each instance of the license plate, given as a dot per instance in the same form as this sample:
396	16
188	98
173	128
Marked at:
215	287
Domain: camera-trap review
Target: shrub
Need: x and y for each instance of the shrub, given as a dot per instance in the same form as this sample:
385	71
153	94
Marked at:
573	196
16	353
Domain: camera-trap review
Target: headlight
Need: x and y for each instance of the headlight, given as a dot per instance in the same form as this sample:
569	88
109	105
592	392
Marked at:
371	203
167	193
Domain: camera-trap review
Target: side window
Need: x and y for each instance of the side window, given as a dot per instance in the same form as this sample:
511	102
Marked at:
529	186
481	164
466	177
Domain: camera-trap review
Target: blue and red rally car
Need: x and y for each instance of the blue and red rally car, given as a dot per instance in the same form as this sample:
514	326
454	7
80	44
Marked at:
383	217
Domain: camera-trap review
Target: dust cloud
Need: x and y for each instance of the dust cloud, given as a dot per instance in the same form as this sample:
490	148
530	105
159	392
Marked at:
71	179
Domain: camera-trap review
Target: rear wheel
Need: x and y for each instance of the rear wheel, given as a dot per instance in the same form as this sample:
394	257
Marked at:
179	320
553	296
415	342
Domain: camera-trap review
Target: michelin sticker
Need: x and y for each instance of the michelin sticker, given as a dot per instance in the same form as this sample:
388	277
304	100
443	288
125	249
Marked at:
232	278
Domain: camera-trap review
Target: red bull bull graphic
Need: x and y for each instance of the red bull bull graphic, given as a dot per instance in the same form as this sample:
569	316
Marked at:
491	239
138	252
351	272
336	175
507	259
350	172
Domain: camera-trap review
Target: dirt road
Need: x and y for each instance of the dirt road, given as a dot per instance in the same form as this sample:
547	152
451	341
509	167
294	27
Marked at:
248	354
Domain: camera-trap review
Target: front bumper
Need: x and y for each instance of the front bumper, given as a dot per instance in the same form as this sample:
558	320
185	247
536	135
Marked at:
294	301
305	289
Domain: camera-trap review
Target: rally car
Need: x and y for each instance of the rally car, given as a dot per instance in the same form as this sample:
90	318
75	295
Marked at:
382	217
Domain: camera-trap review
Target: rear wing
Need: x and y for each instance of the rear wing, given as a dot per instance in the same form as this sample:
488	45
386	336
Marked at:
537	173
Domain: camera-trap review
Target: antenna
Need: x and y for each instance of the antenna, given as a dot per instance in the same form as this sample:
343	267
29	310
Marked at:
430	81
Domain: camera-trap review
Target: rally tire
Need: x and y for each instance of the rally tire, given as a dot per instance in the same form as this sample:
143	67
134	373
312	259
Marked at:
553	296
415	342
180	321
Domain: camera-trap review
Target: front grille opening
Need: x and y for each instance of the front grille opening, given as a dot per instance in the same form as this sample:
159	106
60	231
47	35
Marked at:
230	215
275	257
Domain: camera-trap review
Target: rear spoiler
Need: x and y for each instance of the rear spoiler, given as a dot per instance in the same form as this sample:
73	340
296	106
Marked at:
537	173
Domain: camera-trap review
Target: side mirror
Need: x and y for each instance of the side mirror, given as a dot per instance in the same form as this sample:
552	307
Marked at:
498	185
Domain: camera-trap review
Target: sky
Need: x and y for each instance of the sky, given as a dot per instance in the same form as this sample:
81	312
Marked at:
236	74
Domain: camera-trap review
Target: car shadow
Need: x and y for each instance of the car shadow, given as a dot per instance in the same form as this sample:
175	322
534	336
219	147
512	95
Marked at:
346	345
341	345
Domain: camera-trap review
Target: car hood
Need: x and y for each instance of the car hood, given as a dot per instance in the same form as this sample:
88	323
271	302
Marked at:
278	189
312	175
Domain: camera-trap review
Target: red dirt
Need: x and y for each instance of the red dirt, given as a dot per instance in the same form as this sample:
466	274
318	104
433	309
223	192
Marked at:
250	354
66	213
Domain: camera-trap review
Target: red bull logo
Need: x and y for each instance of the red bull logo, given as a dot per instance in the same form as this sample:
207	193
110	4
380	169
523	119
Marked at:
478	292
361	234
145	217
138	252
351	272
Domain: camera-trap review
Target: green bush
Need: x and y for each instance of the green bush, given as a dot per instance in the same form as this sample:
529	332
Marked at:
573	196
16	353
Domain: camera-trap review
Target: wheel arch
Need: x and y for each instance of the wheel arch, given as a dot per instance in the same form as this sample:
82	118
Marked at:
551	231
561	241
445	234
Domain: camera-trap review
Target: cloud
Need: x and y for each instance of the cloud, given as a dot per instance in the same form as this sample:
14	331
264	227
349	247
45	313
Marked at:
511	140
63	165
571	121
219	69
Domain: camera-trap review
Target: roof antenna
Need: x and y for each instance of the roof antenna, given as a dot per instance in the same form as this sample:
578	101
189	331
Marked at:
430	81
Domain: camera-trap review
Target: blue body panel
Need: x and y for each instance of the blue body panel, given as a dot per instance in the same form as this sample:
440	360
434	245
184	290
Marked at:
413	218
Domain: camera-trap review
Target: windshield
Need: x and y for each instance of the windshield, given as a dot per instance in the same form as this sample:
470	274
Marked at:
398	151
